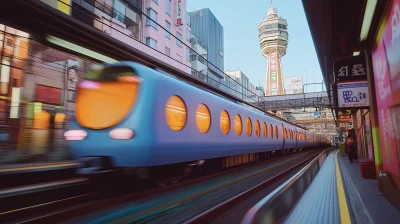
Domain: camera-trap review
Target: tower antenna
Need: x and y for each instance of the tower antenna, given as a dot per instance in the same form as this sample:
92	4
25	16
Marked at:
271	4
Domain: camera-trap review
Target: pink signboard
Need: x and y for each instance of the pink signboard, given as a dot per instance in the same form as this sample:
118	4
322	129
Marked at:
392	44
384	100
273	72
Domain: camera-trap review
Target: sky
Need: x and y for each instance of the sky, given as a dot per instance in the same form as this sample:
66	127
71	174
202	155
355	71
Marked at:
242	49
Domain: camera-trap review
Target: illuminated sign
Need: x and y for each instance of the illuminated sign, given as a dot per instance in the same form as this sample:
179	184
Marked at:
353	94
273	72
344	118
179	13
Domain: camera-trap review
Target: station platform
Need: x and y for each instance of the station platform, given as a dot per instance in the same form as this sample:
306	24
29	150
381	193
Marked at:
37	167
338	194
19	175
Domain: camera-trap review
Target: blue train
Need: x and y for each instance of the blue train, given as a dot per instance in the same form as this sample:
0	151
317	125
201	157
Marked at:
133	118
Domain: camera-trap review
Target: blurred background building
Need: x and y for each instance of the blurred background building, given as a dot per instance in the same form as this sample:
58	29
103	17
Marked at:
209	31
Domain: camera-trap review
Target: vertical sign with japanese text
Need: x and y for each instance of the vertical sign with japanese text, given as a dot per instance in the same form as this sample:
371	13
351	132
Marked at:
350	69
179	12
273	73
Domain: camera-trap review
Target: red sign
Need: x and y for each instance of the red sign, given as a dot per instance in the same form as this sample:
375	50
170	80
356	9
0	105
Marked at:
47	94
392	44
345	118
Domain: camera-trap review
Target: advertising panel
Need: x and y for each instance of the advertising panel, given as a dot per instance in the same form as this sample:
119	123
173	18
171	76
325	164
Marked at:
344	118
391	39
47	94
273	73
179	13
294	85
383	101
353	94
350	69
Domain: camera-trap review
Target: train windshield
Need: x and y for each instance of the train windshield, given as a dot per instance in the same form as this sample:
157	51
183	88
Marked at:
106	96
112	74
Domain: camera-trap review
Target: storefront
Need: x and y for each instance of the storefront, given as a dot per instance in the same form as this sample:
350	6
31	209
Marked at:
385	58
37	88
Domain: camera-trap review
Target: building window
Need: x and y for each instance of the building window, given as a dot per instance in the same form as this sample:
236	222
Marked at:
119	11
151	42
168	8
168	28
179	57
167	51
188	34
133	21
188	19
187	54
179	39
153	15
156	1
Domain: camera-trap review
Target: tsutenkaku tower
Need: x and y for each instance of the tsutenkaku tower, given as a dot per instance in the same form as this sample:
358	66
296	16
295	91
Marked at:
273	42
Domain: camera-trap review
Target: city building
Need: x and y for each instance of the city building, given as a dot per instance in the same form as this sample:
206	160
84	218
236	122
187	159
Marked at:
273	36
237	83
198	58
260	91
172	15
209	31
126	21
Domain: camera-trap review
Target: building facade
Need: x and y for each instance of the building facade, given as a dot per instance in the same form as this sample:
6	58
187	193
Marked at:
172	15
273	38
138	23
198	58
209	31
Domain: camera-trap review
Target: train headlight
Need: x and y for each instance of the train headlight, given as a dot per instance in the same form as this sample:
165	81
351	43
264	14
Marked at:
121	133
75	135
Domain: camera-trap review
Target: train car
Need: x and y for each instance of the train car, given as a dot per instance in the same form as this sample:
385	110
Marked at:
129	116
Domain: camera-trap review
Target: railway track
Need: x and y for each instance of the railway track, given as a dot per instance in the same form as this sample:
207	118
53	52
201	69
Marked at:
84	203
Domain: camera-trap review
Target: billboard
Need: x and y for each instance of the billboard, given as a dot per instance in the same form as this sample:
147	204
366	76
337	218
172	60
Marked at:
384	101
179	13
294	85
353	94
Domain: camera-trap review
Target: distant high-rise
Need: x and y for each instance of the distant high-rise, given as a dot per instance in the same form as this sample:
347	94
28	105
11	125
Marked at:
273	42
209	31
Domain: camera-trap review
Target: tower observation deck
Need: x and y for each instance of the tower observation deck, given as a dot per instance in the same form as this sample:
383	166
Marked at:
273	42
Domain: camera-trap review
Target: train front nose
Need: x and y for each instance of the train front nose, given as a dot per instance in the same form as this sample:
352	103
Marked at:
106	97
